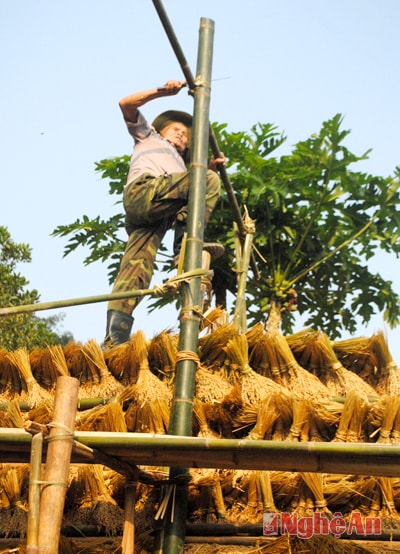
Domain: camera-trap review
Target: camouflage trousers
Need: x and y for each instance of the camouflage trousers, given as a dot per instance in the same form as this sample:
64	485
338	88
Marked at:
152	206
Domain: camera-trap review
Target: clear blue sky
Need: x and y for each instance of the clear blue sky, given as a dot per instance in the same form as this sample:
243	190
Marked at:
65	65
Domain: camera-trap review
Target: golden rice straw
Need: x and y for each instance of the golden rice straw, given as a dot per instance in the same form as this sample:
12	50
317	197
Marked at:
389	508
76	362
214	317
297	379
300	416
388	375
10	380
34	393
121	362
43	413
148	389
391	407
211	346
254	387
347	414
395	434
356	355
104	511
263	359
162	353
314	482
108	417
12	417
267	415
337	378
255	335
210	386
357	427
11	482
105	384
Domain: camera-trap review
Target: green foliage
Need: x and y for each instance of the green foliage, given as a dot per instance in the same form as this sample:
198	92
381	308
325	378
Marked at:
23	329
318	222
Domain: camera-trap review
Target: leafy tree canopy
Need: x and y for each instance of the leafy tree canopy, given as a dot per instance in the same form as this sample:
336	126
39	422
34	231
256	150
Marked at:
22	330
318	222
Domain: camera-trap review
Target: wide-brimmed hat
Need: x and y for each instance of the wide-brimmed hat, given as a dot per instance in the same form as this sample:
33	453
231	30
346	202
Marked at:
171	116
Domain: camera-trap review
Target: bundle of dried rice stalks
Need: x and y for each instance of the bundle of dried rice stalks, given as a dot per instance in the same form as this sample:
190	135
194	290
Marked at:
98	506
294	377
108	417
162	355
353	419
150	398
356	355
331	372
211	386
214	317
12	483
105	384
11	416
389	513
299	429
10	380
32	392
254	387
121	362
388	373
390	407
267	414
211	347
315	482
76	361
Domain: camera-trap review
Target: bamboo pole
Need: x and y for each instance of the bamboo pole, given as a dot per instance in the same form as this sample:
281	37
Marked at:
156	291
243	252
57	464
237	216
32	536
166	450
182	406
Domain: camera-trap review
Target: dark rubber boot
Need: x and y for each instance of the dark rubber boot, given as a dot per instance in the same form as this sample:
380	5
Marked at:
119	325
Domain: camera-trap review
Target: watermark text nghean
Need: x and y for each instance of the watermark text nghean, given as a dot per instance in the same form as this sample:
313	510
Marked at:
305	527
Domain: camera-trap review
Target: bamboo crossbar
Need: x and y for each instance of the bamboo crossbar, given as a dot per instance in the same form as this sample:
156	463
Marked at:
156	291
167	450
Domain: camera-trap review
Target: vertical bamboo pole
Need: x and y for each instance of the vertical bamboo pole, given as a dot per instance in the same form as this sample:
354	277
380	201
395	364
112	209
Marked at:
128	537
243	252
181	413
32	535
57	464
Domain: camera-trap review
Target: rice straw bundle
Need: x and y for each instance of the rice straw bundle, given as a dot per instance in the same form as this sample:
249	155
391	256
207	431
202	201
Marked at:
255	335
11	416
331	372
254	387
211	346
300	418
294	377
106	385
395	434
285	488
44	366
147	390
391	405
108	417
314	482
298	343
98	506
263	360
162	355
10	380
33	393
121	363
388	373
12	482
211	386
267	414
76	361
214	317
356	355
389	512
207	478
324	419
224	415
352	419
43	413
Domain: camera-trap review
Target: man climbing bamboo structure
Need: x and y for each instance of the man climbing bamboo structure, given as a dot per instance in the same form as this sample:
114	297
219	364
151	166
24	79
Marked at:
155	198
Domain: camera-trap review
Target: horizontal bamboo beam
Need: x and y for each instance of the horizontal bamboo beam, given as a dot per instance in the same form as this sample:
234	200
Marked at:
167	450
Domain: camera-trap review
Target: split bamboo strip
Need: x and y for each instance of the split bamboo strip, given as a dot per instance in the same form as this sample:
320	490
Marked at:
32	538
